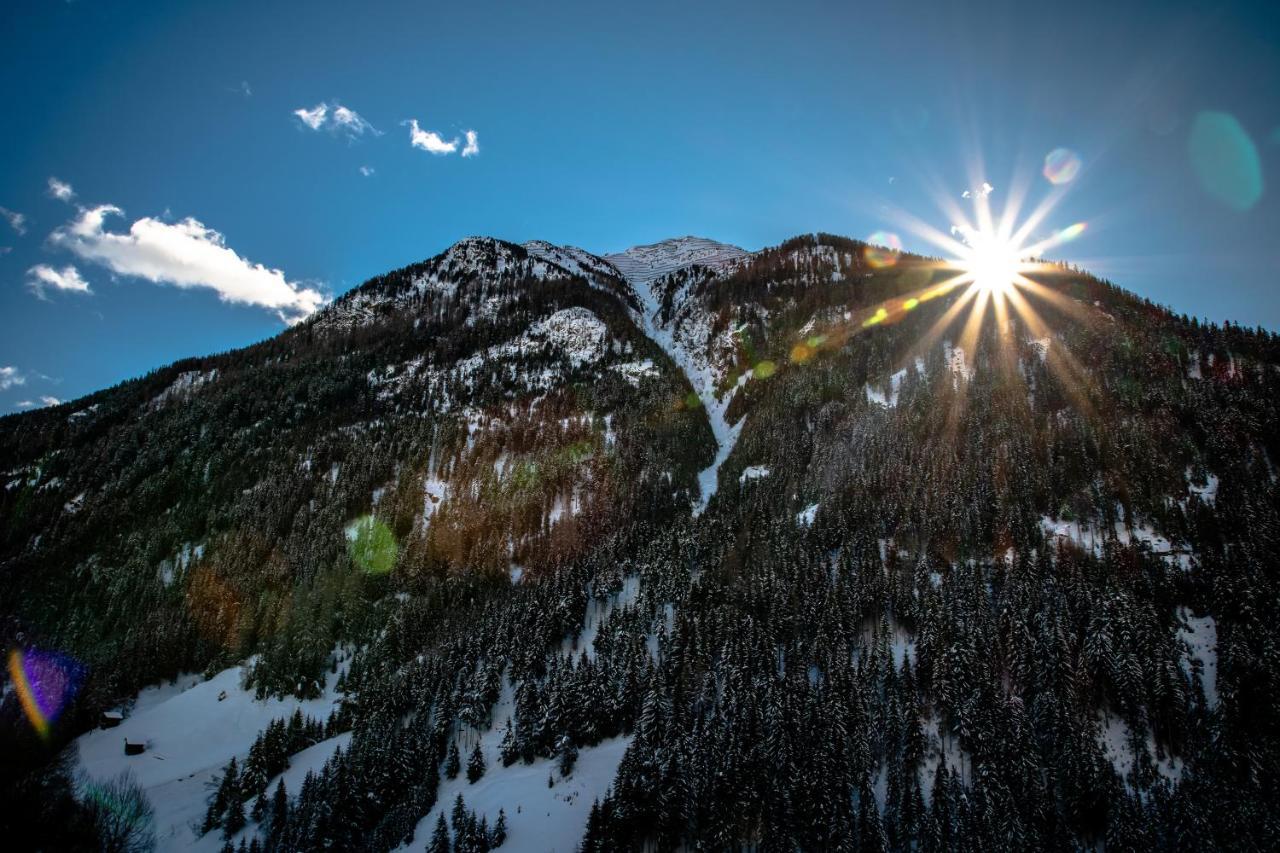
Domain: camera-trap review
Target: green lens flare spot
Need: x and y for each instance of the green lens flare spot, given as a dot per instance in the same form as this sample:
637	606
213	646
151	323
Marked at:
764	369
1225	160
372	545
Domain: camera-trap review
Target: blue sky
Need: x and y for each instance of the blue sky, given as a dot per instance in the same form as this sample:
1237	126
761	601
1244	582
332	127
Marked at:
601	127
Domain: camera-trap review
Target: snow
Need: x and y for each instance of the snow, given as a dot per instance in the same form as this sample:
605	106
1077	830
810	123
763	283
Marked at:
598	610
75	504
652	262
806	516
573	260
1041	346
753	472
635	371
539	818
434	492
1193	365
190	737
955	360
577	332
687	339
1207	492
1093	538
1200	633
309	760
184	386
875	395
1115	739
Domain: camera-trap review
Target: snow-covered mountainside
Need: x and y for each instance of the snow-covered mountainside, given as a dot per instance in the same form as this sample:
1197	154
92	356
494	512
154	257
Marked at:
684	331
945	584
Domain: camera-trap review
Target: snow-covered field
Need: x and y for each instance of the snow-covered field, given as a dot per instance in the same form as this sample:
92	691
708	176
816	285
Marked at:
540	818
190	736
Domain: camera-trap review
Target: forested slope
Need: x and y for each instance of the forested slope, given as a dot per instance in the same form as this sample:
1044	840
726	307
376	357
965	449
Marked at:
967	581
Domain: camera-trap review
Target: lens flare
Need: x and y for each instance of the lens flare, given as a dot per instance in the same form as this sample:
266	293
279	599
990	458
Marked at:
45	683
1061	166
883	248
372	545
1225	160
1071	232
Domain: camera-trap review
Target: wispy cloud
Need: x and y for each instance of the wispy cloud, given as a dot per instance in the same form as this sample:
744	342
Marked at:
472	148
184	254
367	171
61	190
336	119
44	401
429	140
17	221
246	89
11	376
68	278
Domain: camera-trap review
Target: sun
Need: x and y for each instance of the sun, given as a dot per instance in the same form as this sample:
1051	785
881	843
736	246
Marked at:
993	263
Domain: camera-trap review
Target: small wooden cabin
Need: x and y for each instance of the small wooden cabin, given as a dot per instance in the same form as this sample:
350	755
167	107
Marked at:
110	719
134	747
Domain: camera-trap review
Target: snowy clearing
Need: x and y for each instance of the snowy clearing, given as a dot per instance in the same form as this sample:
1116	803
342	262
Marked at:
190	736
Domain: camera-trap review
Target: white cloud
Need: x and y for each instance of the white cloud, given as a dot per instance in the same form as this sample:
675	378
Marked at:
44	401
336	118
246	89
16	220
367	171
982	192
473	144
61	190
314	117
429	140
68	278
352	122
185	254
10	376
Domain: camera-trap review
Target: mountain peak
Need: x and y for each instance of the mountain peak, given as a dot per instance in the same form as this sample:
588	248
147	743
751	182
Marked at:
650	262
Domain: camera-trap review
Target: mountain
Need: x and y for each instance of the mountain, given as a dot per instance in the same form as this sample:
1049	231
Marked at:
683	546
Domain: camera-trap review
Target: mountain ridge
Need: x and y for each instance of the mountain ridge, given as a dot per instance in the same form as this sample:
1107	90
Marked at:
739	519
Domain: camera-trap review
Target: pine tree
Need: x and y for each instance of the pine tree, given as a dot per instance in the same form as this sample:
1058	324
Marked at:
568	757
454	762
508	748
279	809
439	842
235	820
499	836
458	817
475	765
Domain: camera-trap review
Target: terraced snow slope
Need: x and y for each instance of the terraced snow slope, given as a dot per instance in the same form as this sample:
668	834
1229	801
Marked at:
649	263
